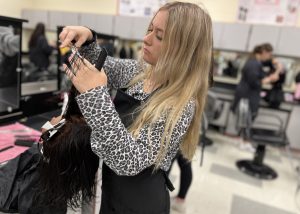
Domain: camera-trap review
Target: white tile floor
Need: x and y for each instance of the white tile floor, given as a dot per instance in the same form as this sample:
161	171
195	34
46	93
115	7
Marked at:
219	188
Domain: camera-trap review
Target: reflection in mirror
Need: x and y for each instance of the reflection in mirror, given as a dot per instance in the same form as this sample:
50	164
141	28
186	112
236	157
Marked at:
228	66
10	45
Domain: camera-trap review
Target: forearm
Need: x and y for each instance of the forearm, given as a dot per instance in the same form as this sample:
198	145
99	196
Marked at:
266	80
110	140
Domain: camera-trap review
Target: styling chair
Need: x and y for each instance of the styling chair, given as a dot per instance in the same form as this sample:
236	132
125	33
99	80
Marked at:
212	111
260	136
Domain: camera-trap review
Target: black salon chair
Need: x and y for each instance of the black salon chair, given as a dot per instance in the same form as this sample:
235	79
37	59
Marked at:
260	136
212	111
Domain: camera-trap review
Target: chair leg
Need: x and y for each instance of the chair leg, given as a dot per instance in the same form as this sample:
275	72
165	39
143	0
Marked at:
259	155
290	156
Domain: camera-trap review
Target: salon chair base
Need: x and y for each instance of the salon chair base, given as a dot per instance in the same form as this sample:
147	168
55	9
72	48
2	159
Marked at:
260	171
205	140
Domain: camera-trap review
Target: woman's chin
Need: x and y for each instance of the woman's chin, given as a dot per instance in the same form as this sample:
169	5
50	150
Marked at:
146	59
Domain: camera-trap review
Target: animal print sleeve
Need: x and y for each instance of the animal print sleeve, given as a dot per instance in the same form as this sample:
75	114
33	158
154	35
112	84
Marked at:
113	143
119	71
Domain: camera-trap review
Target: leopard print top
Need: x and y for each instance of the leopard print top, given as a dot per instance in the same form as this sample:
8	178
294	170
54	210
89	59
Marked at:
110	140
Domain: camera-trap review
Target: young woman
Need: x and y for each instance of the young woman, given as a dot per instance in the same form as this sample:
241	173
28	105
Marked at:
157	109
39	48
253	77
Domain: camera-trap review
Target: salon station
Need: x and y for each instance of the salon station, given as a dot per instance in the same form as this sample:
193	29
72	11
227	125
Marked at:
248	153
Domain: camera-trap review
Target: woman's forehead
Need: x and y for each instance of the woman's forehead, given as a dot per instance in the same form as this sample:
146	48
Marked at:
160	20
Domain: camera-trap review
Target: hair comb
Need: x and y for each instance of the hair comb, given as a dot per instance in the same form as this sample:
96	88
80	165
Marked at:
77	60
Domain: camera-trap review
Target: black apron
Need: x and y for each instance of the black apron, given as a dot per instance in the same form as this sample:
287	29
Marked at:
145	193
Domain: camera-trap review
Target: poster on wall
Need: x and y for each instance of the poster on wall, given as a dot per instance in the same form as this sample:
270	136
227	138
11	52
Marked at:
139	7
280	12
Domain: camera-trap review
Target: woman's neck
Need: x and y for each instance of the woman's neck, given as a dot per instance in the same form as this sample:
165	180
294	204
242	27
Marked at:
149	86
258	57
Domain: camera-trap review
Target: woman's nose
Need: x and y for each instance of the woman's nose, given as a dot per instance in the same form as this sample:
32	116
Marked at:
148	39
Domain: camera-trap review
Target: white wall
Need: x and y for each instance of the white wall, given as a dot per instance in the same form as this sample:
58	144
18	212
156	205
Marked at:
220	10
13	8
90	6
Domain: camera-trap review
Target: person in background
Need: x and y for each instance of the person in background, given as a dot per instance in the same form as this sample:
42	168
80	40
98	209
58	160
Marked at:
9	49
253	77
39	48
186	177
275	95
157	109
297	91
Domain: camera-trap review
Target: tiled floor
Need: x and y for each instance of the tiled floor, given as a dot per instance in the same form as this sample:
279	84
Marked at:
220	188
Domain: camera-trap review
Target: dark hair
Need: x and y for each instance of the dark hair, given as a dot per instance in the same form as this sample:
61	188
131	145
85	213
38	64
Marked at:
37	32
69	166
263	47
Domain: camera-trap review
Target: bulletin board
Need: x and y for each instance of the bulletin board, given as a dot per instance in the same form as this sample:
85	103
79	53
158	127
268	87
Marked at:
144	8
279	12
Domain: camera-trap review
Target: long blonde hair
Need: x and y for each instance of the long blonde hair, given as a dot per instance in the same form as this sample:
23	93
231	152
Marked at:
182	73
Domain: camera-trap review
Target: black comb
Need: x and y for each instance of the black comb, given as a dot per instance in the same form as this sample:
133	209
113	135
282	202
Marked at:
101	59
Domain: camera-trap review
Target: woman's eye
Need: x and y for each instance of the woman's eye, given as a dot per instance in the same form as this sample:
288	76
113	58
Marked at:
149	30
159	38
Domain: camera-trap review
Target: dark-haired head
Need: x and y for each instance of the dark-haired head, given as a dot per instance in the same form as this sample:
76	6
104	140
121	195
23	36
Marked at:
69	166
263	52
37	32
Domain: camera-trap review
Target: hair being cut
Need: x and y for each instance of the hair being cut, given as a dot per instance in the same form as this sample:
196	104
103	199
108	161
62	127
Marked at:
69	166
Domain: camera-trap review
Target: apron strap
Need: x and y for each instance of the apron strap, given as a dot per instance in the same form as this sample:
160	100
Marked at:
168	182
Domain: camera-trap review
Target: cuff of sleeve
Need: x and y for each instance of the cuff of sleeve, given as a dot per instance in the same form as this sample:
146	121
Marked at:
88	42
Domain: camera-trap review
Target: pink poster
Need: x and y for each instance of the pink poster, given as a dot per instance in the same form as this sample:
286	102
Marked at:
279	12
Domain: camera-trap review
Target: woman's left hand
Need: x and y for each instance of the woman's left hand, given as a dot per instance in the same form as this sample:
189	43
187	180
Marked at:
86	76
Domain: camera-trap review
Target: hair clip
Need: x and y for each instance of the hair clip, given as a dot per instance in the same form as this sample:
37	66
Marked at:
46	136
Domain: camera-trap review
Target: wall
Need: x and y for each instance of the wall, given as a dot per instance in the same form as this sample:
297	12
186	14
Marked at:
13	8
220	10
90	6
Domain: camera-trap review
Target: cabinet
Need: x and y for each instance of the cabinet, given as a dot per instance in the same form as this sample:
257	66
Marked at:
139	27
227	36
123	27
34	17
217	34
100	23
234	37
132	28
288	43
60	18
293	128
263	34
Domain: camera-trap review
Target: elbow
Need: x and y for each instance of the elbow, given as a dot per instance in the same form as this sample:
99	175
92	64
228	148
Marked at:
96	149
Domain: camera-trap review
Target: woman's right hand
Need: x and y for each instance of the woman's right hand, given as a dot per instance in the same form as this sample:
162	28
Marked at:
79	34
274	77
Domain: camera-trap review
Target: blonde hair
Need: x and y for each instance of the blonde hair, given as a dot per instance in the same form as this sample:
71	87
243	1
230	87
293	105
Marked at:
182	73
